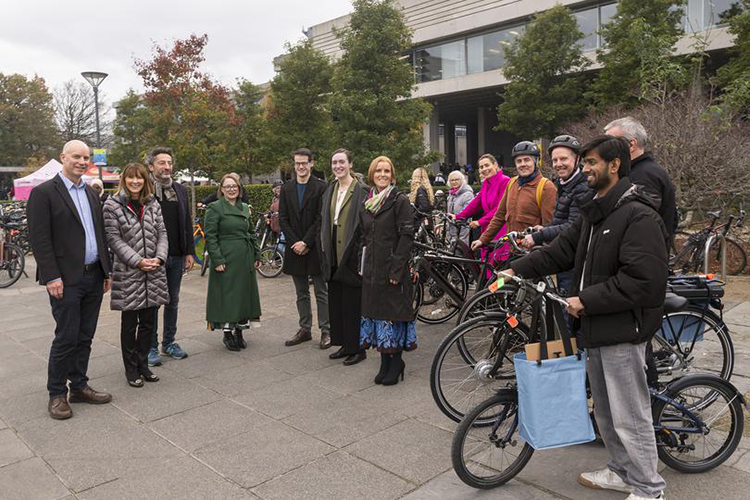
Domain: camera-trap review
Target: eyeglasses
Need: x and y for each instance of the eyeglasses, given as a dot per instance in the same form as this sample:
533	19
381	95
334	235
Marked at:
229	188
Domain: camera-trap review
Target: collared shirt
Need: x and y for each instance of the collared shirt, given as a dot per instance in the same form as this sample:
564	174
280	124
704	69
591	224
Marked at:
81	201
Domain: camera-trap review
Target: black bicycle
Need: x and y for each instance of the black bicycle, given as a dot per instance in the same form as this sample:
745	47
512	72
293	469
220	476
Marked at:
690	250
271	249
698	421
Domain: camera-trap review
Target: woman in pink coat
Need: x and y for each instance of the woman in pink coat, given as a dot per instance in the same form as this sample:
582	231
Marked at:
494	185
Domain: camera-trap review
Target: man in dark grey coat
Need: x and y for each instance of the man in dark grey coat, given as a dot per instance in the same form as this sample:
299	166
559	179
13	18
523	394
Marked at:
646	171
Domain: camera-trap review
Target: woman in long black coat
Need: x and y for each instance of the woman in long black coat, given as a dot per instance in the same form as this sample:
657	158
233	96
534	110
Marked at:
340	240
387	287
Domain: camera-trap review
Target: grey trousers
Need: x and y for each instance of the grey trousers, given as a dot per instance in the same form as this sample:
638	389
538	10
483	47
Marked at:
622	407
304	306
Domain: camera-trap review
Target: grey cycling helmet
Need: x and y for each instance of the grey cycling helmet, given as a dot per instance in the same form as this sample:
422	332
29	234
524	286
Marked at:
525	148
566	141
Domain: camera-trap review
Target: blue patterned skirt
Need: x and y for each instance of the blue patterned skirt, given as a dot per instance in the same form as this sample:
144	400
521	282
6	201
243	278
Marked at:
387	336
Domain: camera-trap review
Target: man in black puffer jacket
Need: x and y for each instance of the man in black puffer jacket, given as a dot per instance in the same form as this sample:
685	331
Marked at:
571	186
617	251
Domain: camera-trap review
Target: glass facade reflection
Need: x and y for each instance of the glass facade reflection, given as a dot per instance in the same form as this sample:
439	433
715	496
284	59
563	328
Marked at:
485	52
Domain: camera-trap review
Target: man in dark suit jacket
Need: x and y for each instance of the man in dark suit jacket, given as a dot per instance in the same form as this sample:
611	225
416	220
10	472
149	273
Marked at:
66	228
299	217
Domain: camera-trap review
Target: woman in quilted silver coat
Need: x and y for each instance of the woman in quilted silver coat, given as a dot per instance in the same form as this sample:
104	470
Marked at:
138	241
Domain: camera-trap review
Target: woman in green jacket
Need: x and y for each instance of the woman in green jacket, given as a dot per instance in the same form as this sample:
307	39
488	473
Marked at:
233	302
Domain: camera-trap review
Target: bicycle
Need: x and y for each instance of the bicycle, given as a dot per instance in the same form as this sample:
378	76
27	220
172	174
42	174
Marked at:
689	250
271	254
12	261
468	365
697	406
201	249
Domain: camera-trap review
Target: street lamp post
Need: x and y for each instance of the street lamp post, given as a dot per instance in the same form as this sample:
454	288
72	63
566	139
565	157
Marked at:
95	78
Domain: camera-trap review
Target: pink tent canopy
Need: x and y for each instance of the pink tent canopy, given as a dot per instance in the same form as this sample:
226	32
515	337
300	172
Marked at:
24	185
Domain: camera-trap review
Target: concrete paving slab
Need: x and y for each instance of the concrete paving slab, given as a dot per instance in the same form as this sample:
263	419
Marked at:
20	364
262	453
22	384
413	450
199	427
412	398
169	396
345	420
338	475
30	480
12	449
286	398
301	361
10	348
346	379
17	410
203	363
448	486
99	444
242	379
183	478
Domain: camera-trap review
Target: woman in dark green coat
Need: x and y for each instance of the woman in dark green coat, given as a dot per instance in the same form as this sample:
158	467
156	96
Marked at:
233	302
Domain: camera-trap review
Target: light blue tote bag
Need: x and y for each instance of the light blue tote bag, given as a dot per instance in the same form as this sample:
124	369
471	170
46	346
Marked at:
552	406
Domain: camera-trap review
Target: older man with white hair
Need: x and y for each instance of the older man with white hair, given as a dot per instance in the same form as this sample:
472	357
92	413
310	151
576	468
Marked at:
645	171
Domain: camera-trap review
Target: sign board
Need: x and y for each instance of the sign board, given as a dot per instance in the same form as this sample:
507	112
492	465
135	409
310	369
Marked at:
100	157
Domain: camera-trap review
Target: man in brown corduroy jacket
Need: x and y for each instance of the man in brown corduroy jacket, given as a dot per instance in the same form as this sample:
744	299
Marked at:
529	199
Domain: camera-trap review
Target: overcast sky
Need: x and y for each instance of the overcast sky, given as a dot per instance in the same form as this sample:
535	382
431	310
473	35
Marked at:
58	40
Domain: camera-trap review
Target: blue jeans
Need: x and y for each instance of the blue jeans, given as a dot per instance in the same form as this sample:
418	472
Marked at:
76	315
174	267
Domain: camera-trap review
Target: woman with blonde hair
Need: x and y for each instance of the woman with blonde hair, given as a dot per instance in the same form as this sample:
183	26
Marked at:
138	239
459	197
233	301
387	288
421	195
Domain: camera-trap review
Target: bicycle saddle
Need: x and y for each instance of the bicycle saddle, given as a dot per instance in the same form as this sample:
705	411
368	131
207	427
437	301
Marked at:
715	215
674	303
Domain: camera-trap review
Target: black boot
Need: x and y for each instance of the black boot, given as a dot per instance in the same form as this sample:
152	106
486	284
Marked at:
396	369
238	338
230	341
385	362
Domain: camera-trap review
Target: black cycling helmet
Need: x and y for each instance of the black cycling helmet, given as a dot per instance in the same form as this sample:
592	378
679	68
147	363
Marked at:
278	182
525	148
566	141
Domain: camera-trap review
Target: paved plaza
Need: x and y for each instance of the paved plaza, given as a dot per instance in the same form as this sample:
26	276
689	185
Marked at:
270	422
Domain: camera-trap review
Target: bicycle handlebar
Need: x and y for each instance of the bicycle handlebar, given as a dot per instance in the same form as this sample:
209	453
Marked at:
540	287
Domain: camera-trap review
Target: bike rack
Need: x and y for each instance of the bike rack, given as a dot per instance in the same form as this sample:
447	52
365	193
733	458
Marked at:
723	254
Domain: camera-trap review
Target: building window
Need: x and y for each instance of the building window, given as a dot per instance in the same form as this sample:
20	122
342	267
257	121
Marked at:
440	62
487	52
704	14
588	23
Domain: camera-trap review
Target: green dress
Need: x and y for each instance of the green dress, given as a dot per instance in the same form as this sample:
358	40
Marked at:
233	297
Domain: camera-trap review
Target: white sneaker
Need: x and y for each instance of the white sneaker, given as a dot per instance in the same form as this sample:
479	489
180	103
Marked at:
604	479
633	496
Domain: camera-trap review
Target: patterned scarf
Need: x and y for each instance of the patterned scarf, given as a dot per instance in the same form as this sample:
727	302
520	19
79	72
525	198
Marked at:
375	200
164	191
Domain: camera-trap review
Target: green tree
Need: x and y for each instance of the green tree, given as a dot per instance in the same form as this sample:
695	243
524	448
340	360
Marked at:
734	77
371	102
27	120
298	110
246	140
639	44
131	127
545	90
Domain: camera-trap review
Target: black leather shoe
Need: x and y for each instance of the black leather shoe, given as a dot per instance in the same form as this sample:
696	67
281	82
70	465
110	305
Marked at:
238	339
230	342
355	358
338	354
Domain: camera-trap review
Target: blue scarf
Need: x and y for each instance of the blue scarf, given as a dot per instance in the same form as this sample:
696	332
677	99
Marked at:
528	178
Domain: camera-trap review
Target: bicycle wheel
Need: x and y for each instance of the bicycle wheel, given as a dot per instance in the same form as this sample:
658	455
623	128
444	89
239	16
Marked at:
702	340
271	262
460	373
484	456
698	424
486	301
437	306
11	265
205	263
735	255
